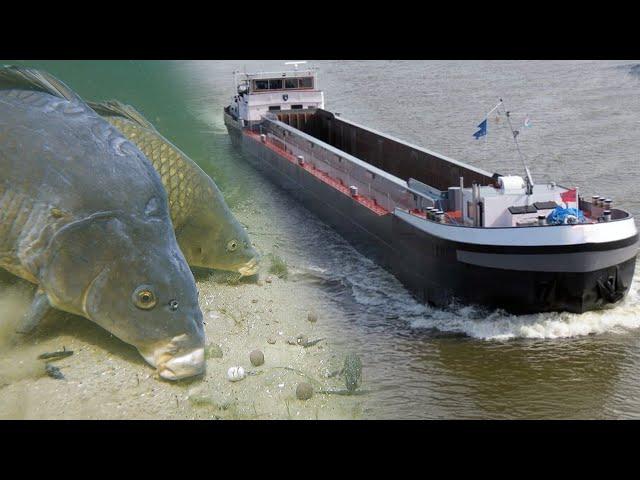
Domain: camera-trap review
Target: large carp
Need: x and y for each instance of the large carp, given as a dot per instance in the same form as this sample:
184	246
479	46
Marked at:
83	214
207	232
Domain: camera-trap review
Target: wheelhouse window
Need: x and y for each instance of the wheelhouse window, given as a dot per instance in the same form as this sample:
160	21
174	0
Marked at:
261	84
296	107
305	82
274	108
283	84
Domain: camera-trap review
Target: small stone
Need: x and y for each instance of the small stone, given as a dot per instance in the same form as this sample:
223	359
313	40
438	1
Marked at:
312	317
292	341
268	280
235	374
212	351
304	391
255	300
257	358
302	339
271	340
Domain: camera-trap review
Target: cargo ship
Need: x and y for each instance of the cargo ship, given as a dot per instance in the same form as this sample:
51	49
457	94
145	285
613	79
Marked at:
449	231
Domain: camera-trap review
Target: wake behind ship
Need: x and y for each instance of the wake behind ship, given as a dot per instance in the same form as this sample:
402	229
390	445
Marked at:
447	230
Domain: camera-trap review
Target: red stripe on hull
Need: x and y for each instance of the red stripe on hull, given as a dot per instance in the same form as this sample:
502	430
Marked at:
325	177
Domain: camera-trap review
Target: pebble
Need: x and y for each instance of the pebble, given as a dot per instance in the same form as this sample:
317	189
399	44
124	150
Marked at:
292	341
304	391
268	280
312	317
235	374
257	358
212	351
255	300
271	340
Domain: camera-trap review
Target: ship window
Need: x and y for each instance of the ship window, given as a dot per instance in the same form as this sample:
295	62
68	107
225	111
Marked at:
260	84
275	84
273	108
306	82
296	107
291	83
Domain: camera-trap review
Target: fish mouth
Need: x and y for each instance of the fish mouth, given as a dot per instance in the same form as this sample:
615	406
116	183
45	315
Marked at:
188	365
176	365
249	268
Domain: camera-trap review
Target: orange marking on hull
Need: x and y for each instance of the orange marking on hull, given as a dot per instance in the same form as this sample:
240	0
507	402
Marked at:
370	203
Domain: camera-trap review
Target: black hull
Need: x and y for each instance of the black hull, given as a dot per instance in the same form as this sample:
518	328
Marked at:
430	266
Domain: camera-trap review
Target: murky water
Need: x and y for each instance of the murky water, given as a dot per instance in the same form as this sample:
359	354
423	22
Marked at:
419	361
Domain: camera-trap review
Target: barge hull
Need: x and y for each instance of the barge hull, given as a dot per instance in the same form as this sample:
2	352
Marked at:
439	271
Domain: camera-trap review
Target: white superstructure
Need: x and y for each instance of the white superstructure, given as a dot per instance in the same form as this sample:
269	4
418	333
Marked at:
264	92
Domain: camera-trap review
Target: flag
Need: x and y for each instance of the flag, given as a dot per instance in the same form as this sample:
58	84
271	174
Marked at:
569	195
483	130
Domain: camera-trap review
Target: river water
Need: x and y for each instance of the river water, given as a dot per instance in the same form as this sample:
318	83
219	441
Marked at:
421	362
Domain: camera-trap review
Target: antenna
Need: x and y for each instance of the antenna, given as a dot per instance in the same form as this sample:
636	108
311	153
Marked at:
524	163
295	64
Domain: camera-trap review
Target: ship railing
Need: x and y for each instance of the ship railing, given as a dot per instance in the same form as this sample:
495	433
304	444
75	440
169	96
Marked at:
388	194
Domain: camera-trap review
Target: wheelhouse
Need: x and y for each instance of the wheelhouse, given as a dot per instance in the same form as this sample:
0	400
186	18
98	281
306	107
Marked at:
260	93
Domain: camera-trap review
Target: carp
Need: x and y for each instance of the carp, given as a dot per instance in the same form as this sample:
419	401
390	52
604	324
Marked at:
207	232
84	215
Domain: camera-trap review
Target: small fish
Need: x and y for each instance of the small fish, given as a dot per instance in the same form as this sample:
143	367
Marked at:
207	232
64	353
84	215
311	343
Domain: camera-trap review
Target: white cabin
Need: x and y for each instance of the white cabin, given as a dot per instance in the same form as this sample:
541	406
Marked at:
261	93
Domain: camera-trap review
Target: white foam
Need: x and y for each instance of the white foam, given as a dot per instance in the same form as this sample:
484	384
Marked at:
499	325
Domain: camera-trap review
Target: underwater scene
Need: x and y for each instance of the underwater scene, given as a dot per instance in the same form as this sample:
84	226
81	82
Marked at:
149	271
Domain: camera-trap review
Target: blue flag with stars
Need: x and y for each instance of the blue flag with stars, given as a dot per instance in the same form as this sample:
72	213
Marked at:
483	130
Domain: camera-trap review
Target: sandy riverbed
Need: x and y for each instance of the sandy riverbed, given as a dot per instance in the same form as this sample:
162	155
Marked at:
107	379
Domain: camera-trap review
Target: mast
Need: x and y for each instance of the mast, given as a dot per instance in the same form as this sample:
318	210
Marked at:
515	133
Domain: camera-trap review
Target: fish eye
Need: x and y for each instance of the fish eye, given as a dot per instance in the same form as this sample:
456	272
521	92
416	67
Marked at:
232	245
144	298
173	305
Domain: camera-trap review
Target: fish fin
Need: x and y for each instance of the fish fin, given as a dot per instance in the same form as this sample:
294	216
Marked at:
38	310
23	78
115	108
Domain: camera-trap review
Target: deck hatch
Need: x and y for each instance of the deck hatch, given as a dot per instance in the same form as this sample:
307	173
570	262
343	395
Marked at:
517	210
545	205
